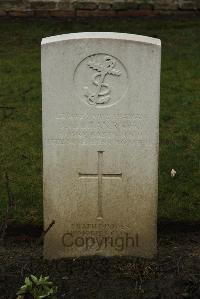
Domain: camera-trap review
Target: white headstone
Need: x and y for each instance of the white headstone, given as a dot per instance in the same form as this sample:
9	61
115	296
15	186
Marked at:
100	143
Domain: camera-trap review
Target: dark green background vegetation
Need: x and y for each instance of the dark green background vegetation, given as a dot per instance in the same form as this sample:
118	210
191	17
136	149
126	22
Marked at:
20	133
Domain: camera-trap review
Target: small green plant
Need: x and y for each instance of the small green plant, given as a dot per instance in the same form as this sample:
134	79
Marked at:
37	288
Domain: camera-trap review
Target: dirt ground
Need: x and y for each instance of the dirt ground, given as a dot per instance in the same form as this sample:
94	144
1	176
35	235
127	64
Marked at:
174	273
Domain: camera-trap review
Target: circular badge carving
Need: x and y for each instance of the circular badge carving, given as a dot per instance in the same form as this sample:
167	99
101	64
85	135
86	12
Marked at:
101	80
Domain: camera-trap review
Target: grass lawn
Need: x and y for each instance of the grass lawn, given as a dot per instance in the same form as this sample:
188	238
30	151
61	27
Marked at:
20	132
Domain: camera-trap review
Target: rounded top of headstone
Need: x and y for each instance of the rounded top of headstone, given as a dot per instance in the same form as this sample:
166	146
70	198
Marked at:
101	35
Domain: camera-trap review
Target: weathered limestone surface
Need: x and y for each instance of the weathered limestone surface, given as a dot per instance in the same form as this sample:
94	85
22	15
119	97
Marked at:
100	142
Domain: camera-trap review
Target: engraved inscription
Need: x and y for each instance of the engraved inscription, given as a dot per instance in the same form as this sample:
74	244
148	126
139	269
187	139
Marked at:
101	80
102	129
100	176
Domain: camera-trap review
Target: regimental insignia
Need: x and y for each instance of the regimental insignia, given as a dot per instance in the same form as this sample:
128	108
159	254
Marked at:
102	93
100	80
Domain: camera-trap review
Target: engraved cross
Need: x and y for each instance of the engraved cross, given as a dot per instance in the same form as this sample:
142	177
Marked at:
100	175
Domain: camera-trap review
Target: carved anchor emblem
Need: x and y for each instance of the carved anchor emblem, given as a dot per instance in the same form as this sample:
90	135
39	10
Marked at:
102	93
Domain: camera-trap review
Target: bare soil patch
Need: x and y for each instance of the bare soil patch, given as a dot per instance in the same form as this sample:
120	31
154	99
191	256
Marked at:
173	273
